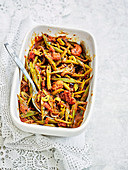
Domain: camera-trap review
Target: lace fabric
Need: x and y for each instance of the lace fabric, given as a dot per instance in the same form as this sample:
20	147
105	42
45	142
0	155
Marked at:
23	150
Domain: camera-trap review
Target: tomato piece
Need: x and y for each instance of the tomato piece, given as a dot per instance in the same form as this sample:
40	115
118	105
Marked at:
62	124
77	50
51	49
31	56
57	85
66	95
56	56
23	119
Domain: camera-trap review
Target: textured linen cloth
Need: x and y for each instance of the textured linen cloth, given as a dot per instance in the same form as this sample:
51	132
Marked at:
25	150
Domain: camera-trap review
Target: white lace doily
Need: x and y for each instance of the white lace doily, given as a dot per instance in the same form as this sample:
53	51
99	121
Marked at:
24	150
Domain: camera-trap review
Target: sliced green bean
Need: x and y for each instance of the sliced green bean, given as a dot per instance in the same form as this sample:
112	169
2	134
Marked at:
76	87
42	109
57	91
33	73
67	112
61	42
48	45
41	122
85	94
52	63
68	80
58	71
30	113
66	86
51	120
48	72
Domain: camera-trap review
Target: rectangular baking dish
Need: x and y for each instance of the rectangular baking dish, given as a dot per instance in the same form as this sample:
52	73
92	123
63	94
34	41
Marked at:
79	35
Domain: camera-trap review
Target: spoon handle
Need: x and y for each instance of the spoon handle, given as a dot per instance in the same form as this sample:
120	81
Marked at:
18	62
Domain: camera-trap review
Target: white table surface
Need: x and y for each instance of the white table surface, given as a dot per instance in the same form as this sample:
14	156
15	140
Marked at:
108	128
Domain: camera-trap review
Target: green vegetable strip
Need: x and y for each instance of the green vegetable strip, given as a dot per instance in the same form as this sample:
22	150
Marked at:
65	51
66	86
25	78
39	79
30	113
74	109
34	76
29	100
56	49
81	107
42	109
67	114
34	118
63	54
26	63
81	59
61	113
78	75
58	71
88	72
81	103
48	45
87	66
57	91
52	125
81	64
52	63
51	120
63	121
87	80
88	57
85	94
40	122
48	72
82	75
30	89
69	61
22	101
76	87
24	95
68	80
61	42
79	92
35	61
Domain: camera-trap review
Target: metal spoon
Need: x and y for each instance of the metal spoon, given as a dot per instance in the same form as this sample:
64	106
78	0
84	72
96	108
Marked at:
20	65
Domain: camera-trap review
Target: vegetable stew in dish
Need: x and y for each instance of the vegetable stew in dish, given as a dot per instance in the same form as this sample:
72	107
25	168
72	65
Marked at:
60	69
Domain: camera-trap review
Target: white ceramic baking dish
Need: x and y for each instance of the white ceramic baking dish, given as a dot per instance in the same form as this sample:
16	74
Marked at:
54	131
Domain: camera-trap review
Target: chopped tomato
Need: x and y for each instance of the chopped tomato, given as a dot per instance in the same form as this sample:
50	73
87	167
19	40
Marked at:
46	120
62	124
43	84
56	56
51	49
66	95
51	39
77	50
57	85
38	38
47	106
31	56
53	55
23	108
23	119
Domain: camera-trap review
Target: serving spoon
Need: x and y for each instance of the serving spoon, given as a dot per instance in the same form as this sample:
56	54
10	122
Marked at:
12	53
